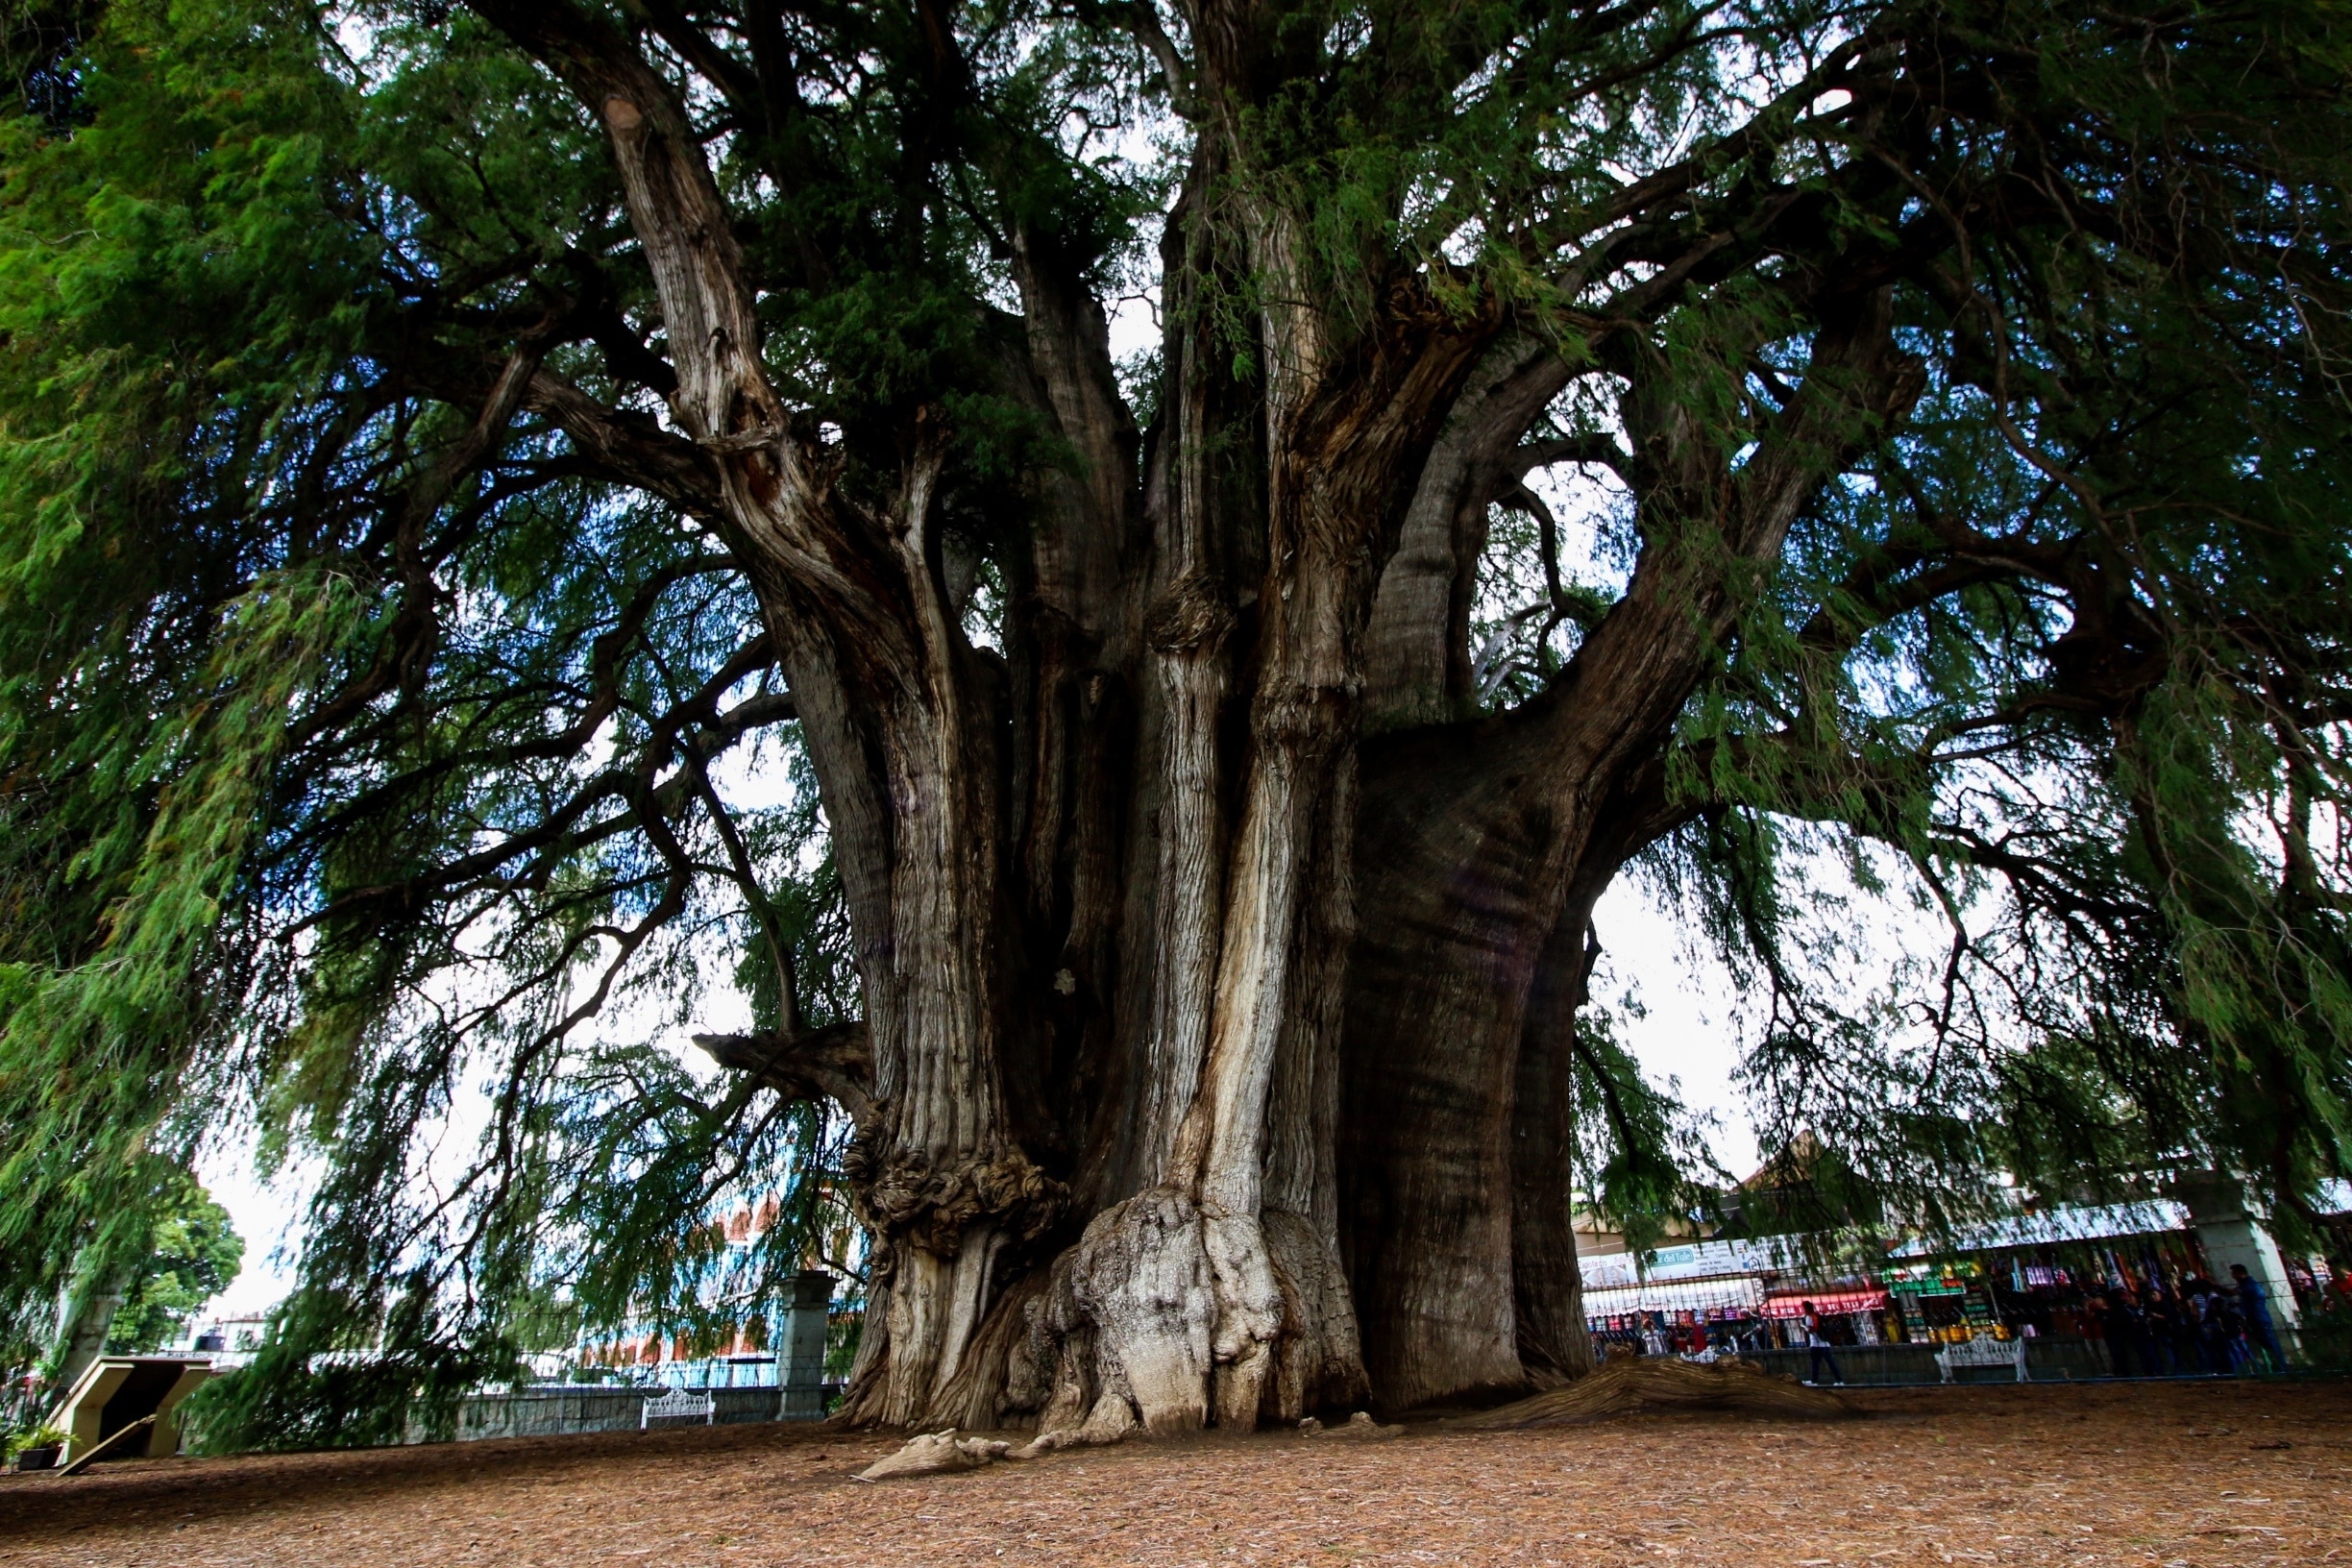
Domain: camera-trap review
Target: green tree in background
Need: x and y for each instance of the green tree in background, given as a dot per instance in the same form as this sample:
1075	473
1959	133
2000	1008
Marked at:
193	1254
536	528
135	1283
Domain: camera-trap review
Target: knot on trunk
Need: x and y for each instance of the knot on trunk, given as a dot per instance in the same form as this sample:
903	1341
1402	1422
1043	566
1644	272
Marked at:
1193	615
905	1195
1311	722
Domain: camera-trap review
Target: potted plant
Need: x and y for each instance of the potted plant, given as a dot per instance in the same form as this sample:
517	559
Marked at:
37	1449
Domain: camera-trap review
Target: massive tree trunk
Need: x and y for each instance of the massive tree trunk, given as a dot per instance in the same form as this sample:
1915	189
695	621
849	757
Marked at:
1215	1064
1495	839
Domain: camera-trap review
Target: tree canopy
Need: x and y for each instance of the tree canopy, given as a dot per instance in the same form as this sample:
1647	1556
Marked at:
528	522
193	1255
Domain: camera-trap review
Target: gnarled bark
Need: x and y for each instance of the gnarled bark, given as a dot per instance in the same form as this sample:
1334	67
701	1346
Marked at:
1214	1059
1488	832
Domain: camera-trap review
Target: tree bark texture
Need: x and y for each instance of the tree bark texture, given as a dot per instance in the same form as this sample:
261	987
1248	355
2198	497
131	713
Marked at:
1215	1064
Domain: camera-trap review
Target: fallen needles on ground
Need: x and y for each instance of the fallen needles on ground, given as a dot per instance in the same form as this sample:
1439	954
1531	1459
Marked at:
929	1453
1626	1386
1619	1388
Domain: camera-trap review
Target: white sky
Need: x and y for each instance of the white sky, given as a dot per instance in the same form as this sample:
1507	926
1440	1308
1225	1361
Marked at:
1690	1031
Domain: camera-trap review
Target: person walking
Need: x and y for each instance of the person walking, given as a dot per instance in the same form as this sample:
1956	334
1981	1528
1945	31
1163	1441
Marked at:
2254	1306
1817	1340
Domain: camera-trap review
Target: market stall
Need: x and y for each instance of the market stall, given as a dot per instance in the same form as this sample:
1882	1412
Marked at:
1680	1316
1852	1315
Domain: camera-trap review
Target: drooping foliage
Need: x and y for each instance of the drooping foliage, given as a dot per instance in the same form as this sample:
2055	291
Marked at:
234	515
392	749
2071	650
138	1275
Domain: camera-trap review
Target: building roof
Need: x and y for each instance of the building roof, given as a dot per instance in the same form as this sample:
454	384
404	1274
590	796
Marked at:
2043	1227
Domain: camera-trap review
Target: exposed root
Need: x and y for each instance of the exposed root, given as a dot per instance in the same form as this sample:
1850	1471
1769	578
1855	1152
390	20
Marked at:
1180	1314
1140	1278
1249	1315
1627	1385
1359	1425
933	1451
1110	1421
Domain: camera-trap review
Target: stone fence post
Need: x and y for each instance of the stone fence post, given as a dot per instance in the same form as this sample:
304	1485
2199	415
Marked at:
800	1357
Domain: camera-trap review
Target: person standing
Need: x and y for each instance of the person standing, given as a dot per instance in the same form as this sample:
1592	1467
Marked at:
2127	1336
2187	1349
2205	1324
2254	1306
2091	1319
1817	1340
2162	1314
2240	1355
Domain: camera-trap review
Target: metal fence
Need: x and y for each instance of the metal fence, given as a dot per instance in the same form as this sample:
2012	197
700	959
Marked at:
2047	1361
561	1409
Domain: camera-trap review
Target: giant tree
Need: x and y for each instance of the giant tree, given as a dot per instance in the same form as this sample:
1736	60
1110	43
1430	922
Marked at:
1203	765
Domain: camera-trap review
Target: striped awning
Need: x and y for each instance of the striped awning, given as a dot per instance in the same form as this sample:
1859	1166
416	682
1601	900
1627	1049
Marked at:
1674	1296
1828	1303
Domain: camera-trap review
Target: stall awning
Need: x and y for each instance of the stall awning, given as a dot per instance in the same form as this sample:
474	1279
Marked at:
1675	1297
1828	1303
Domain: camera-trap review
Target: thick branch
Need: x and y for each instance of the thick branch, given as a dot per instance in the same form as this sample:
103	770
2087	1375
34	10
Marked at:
834	1062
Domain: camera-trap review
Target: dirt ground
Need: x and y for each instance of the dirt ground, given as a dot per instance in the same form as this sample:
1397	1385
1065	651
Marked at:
2169	1474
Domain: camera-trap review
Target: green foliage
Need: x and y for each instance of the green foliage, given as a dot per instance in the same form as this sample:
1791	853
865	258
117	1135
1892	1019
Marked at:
2067	650
2326	1339
637	1227
225	767
43	1436
38	61
389	781
1645	1159
317	1383
193	1253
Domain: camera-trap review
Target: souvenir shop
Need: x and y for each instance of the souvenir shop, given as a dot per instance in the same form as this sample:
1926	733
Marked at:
1677	1317
2040	1276
2045	1275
